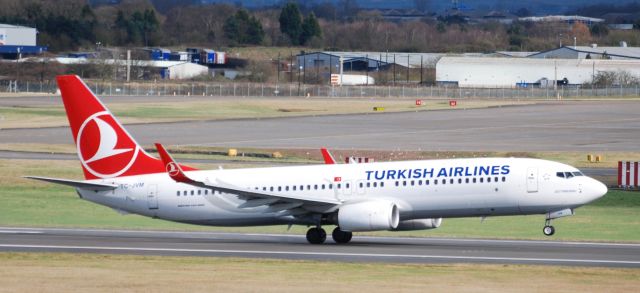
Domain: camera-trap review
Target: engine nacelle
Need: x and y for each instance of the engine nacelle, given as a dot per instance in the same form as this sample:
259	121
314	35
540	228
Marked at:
419	224
373	215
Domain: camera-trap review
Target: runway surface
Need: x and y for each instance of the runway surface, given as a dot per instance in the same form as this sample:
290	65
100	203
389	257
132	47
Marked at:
361	249
562	126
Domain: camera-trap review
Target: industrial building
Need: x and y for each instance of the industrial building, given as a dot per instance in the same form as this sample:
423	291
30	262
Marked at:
523	72
363	61
371	61
591	52
17	41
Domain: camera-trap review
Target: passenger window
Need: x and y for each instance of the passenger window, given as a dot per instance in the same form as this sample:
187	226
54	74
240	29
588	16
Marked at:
397	183
435	182
293	187
286	188
495	179
504	179
368	184
206	191
348	185
412	183
381	184
330	186
279	188
451	181
404	183
481	179
466	180
444	181
339	185
488	179
322	186
426	182
459	180
308	187
199	191
271	188
192	192
301	187
178	193
375	184
315	186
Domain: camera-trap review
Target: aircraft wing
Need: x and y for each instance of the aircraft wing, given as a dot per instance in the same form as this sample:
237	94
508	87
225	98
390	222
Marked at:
287	203
76	183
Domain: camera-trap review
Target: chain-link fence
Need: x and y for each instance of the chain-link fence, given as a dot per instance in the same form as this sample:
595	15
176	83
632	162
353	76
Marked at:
298	90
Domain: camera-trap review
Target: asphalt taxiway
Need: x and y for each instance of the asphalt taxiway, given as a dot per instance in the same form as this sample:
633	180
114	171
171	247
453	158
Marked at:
558	126
365	249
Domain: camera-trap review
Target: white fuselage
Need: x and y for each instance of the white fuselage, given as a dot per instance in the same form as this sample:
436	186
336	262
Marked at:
420	189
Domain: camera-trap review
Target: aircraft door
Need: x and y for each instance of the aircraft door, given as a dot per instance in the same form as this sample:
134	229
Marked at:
532	179
152	197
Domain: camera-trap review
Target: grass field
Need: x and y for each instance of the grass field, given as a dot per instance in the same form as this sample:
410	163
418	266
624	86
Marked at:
229	108
31	203
59	272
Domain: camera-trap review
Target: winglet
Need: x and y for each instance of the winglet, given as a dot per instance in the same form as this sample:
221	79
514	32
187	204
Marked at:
328	158
173	169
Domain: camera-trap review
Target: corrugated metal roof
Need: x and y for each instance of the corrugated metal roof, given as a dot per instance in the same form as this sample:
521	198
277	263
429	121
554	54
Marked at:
631	52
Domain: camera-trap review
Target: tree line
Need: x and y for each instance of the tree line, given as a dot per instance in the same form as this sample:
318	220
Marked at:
75	24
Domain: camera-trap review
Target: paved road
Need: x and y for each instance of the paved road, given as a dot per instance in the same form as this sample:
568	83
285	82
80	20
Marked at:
365	249
564	126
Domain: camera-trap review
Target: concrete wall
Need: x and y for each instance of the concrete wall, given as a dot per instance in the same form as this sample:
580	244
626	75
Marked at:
17	36
507	72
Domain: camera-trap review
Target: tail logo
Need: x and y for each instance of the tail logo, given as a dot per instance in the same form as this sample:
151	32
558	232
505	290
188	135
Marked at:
172	169
114	152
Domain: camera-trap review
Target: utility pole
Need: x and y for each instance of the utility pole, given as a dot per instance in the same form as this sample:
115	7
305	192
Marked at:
128	65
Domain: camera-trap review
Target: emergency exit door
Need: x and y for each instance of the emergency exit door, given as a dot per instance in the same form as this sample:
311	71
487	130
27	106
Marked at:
152	197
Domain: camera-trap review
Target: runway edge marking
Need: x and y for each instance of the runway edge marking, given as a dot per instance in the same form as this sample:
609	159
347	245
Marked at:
480	258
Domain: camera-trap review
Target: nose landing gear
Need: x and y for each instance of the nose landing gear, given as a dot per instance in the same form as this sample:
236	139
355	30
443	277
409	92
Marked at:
548	230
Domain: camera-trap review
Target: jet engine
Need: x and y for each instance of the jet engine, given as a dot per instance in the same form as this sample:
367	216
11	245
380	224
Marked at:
373	215
418	224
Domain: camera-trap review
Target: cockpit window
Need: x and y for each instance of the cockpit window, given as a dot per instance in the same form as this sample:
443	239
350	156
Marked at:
568	175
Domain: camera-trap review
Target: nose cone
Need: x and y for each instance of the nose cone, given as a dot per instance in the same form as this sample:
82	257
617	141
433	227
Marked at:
596	190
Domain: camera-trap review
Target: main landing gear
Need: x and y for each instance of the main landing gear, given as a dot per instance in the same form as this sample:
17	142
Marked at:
317	235
548	229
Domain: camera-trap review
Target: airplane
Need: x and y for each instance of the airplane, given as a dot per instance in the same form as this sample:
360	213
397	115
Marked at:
394	196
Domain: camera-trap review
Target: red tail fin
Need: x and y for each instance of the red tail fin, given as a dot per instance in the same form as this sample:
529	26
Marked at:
105	148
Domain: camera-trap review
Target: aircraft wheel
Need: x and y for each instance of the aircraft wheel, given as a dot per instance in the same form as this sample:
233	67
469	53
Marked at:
316	235
548	230
340	236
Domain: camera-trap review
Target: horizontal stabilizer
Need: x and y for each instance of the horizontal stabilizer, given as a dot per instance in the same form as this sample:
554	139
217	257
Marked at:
76	183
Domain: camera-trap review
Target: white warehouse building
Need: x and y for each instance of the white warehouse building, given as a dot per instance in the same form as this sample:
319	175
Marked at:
513	72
